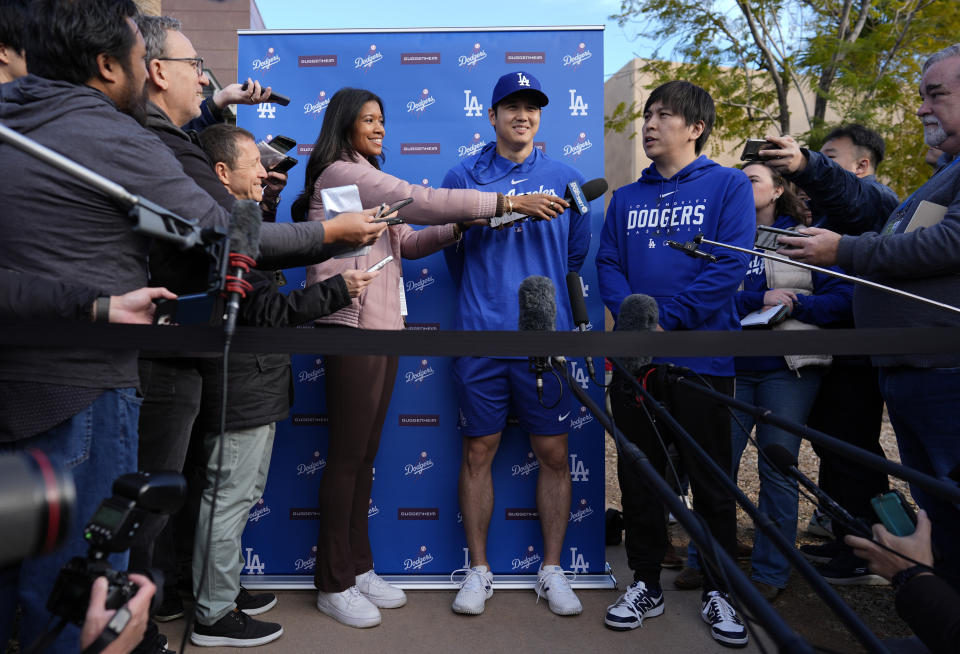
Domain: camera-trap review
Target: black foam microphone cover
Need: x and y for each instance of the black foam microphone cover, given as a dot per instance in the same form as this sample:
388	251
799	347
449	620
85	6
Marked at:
538	304
638	313
245	222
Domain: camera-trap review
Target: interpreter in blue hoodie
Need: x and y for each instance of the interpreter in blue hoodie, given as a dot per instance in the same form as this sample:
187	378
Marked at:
680	195
487	266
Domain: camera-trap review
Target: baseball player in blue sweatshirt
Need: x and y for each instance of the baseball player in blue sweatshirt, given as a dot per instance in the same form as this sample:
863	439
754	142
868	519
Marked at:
680	195
487	266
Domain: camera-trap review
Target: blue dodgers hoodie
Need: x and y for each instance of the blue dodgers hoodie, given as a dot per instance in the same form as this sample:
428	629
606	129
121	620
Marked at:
488	265
691	294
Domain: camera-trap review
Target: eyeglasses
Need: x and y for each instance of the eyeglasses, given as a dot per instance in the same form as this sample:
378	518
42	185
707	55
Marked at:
197	62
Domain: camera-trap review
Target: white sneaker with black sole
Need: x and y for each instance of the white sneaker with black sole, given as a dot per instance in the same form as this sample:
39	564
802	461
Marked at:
636	603
553	584
235	629
349	607
380	593
476	588
725	625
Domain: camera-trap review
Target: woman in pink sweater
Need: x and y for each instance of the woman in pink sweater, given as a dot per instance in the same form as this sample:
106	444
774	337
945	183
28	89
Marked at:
349	150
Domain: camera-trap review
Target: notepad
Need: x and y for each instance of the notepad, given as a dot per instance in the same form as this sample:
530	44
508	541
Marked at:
764	317
927	214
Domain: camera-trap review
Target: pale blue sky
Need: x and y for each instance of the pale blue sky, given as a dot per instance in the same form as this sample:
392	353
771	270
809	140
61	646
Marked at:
619	44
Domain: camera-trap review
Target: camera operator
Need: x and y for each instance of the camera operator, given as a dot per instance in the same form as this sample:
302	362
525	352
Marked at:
925	601
119	631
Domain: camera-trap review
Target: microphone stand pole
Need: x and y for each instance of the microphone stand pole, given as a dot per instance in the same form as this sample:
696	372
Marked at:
786	639
856	626
942	489
691	249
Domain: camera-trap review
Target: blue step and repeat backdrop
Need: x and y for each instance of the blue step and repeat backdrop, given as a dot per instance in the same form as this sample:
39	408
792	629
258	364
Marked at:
436	87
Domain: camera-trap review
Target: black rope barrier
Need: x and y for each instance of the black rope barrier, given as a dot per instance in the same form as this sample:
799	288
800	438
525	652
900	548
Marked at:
202	340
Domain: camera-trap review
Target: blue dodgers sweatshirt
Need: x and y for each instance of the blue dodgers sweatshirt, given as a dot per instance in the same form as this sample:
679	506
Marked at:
830	302
488	265
691	294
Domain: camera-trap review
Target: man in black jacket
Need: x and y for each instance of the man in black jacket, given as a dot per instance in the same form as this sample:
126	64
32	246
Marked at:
259	393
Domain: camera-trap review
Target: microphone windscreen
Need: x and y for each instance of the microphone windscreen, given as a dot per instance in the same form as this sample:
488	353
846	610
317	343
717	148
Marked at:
594	188
245	222
538	304
638	313
578	307
780	457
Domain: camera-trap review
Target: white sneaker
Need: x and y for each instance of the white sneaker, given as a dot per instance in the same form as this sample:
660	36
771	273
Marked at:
552	583
349	607
475	589
636	603
725	626
380	593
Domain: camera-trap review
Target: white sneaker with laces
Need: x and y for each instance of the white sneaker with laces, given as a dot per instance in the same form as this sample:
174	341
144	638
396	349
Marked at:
475	589
553	583
349	607
725	626
380	593
636	603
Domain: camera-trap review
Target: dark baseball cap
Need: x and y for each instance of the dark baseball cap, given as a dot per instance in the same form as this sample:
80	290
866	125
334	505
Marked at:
516	82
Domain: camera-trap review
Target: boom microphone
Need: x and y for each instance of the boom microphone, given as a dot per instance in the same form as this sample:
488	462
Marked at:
245	222
578	307
786	463
638	313
538	313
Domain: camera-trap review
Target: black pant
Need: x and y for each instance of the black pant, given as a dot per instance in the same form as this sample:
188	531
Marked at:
708	422
849	407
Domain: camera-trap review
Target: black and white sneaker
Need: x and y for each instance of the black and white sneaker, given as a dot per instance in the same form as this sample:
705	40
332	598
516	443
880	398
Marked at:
235	629
823	553
637	603
255	603
848	569
725	626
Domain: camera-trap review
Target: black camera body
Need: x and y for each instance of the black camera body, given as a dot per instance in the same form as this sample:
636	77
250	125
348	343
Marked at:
112	528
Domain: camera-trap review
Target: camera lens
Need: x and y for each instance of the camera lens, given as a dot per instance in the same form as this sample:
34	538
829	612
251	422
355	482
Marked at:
36	504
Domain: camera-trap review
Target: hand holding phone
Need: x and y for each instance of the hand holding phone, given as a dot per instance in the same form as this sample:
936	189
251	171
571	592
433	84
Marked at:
895	513
380	264
766	238
386	211
751	151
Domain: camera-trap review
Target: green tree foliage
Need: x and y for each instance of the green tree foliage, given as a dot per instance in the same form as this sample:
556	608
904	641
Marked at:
850	60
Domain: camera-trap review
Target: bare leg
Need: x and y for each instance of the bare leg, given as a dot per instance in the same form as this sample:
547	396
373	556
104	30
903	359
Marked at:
476	493
553	493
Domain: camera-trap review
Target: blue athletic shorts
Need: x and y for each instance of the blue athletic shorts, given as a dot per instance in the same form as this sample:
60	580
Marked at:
490	389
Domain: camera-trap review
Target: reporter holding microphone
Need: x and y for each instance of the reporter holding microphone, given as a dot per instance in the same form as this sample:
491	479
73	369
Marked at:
349	150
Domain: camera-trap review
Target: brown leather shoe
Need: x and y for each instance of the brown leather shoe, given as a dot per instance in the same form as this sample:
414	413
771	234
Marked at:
688	579
769	592
673	560
744	550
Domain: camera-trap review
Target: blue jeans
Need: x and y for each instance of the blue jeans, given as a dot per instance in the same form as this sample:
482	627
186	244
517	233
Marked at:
921	403
789	396
96	445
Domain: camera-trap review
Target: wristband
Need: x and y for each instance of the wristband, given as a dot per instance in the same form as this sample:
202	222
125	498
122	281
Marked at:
101	309
907	574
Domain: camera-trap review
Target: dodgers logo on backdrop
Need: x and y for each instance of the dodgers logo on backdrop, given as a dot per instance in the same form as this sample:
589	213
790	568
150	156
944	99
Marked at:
577	106
471	60
577	562
316	108
473	147
578	147
259	510
253	564
269	60
529	465
419	560
311	467
308	563
574	60
421	103
417	469
373	509
526	560
423	371
471	104
584	417
314	374
424	280
582	511
367	61
578	471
